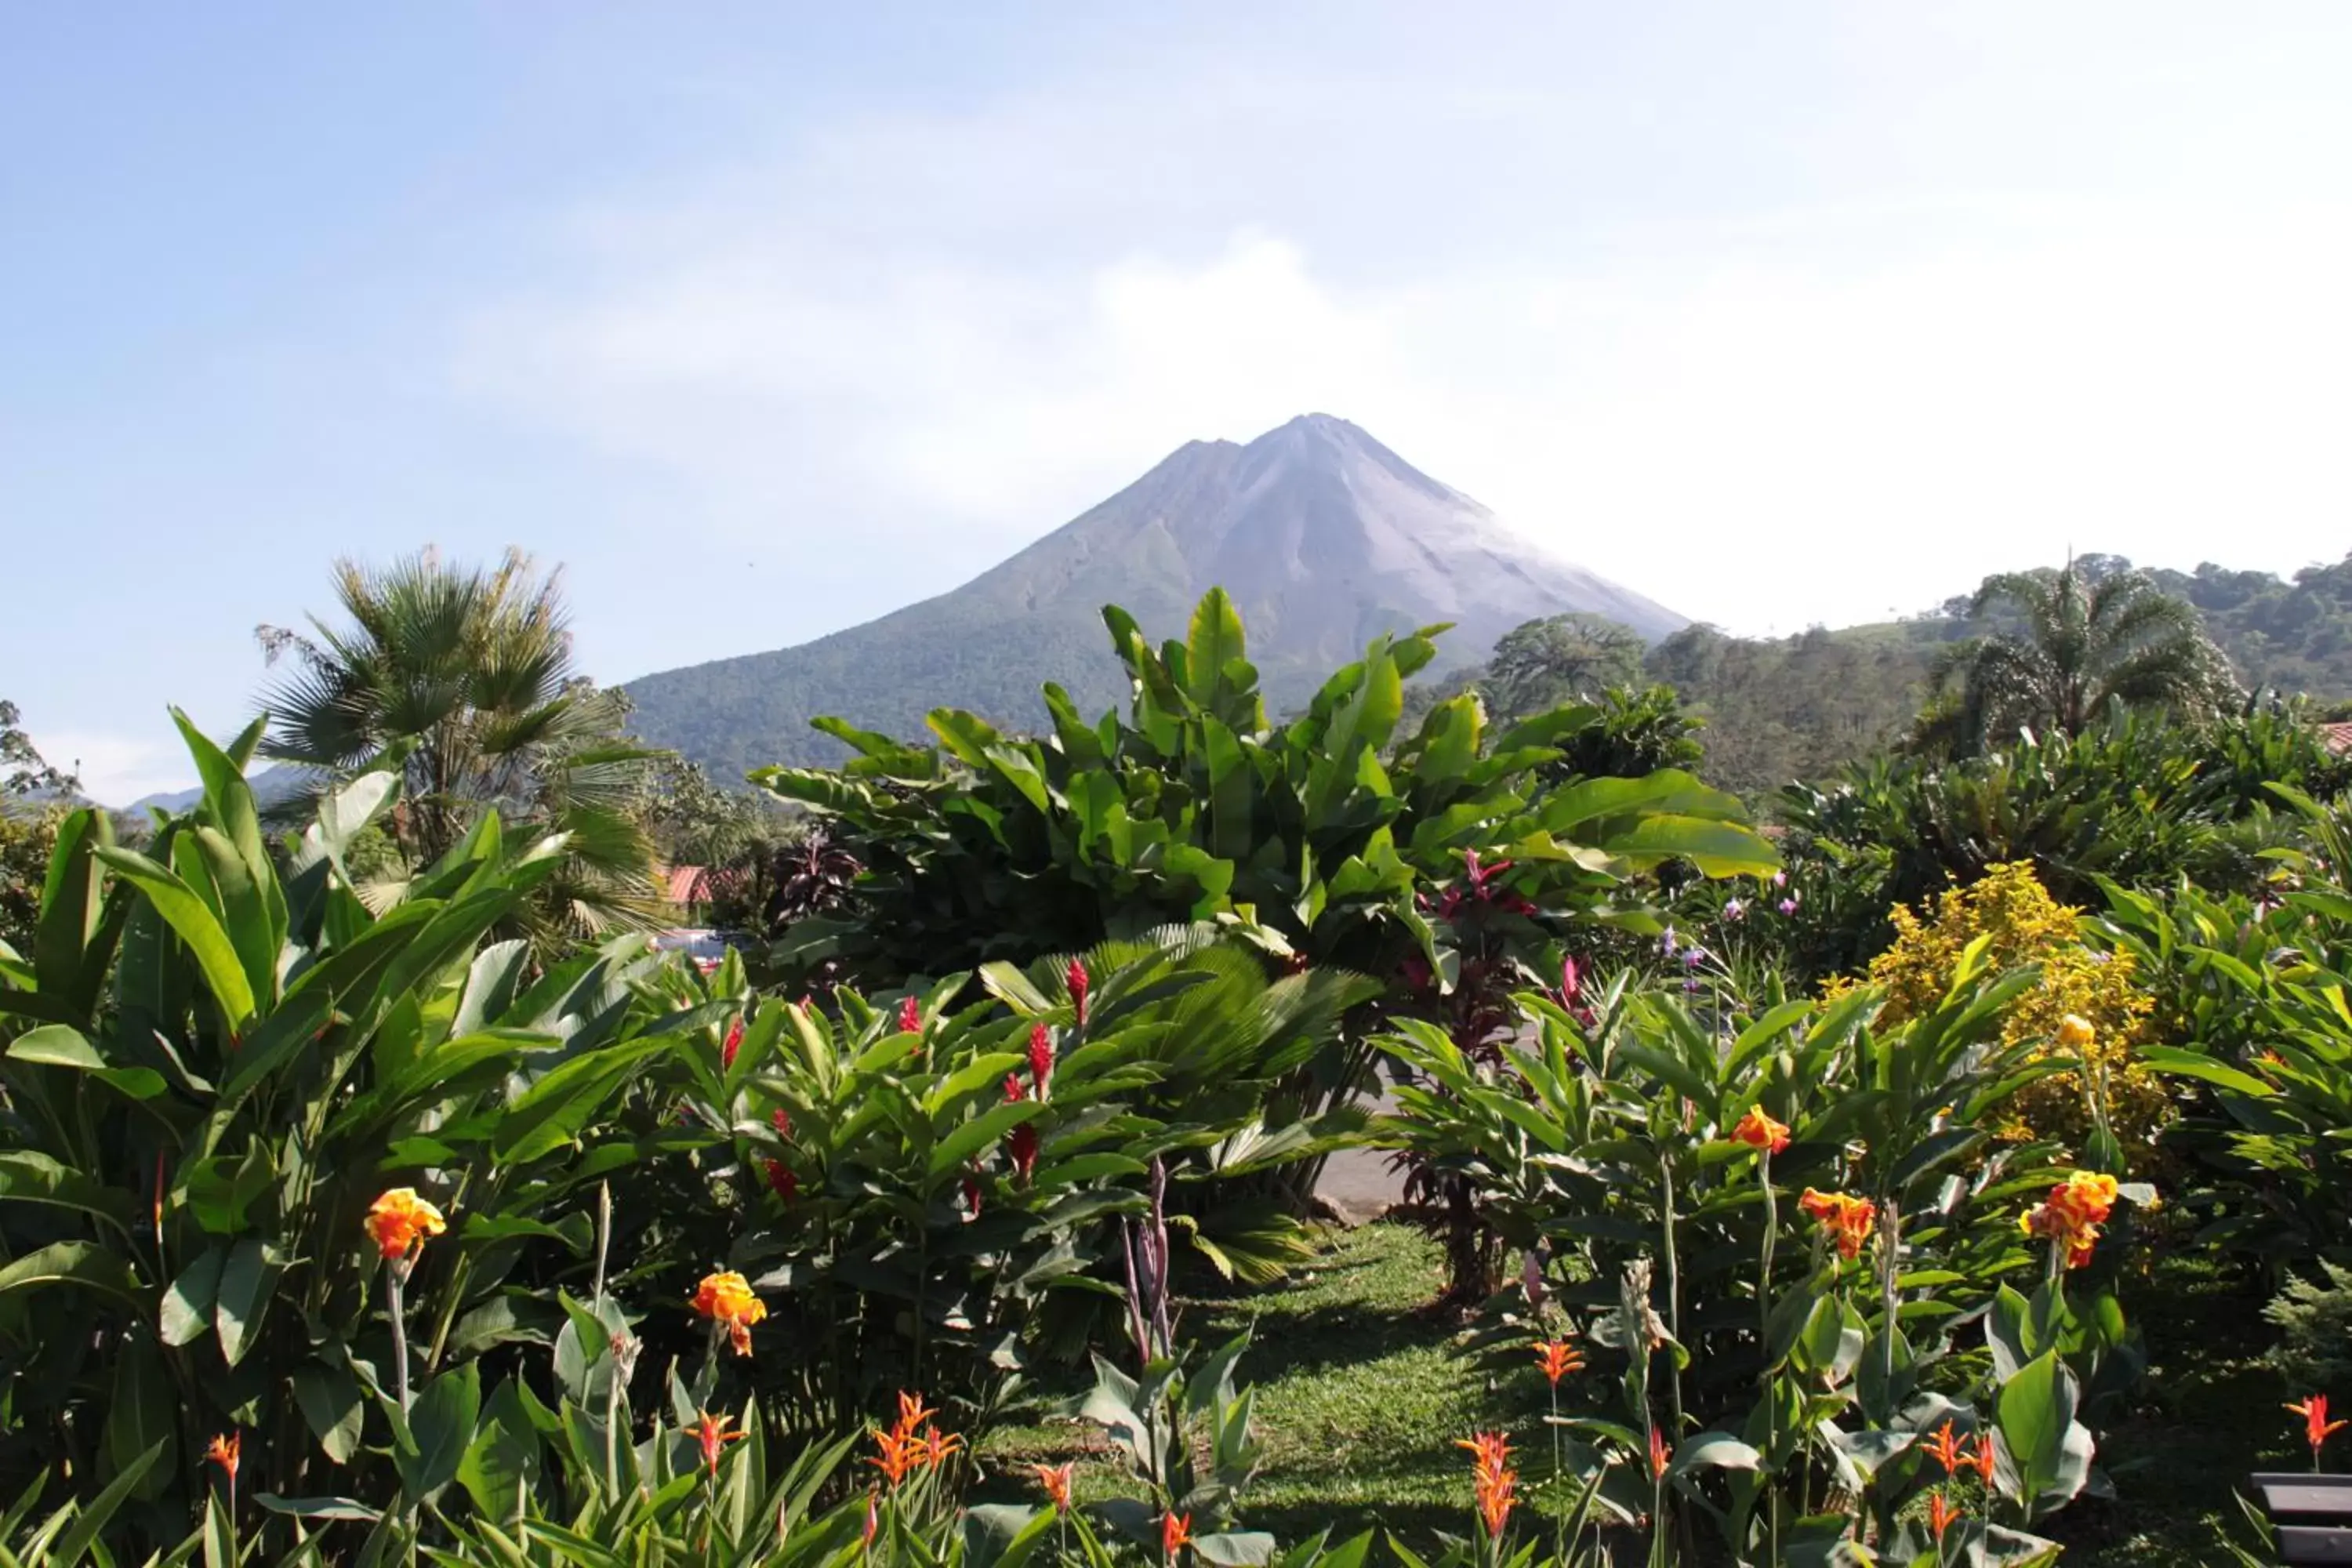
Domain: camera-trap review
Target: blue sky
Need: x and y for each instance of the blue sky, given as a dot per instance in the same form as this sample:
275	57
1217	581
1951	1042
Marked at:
763	319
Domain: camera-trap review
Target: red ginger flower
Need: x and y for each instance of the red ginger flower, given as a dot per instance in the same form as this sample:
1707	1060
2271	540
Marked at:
972	1194
1758	1130
782	1121
1492	1479
1076	977
910	1016
782	1179
1041	1058
734	1042
1013	1092
1021	1144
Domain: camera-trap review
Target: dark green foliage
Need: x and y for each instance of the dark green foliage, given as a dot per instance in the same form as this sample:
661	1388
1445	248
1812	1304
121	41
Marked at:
2063	649
1320	838
2292	635
2314	1318
2136	801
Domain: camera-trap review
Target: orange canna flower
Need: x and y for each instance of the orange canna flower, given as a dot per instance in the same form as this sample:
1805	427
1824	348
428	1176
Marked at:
1658	1455
1492	1480
1558	1359
2317	1427
2073	1214
726	1298
1941	1511
1175	1534
714	1432
1056	1479
1758	1130
225	1449
399	1221
1848	1219
1947	1450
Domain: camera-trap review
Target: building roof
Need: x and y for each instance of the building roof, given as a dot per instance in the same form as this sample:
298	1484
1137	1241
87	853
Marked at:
2338	736
689	884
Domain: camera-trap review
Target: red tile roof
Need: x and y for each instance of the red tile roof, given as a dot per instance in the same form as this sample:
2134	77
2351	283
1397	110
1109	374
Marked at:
2338	736
689	884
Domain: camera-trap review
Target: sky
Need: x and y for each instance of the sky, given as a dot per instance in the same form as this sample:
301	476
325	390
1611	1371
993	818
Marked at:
761	320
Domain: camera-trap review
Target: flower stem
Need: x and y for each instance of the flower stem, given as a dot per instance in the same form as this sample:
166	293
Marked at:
396	1274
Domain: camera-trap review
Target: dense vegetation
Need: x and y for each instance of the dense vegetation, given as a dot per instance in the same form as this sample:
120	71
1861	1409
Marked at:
1785	1202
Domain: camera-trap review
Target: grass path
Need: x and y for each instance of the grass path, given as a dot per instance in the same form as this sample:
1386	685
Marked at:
1360	1400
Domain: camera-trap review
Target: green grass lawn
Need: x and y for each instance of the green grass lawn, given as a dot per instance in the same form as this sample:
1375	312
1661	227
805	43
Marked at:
1360	1398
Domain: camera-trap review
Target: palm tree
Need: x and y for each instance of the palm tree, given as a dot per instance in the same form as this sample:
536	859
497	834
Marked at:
2081	646
461	678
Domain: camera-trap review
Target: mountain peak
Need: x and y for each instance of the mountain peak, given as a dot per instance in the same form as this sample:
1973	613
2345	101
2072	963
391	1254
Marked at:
1324	538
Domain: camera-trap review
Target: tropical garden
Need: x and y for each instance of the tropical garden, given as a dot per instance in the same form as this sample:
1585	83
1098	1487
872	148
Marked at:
1944	1158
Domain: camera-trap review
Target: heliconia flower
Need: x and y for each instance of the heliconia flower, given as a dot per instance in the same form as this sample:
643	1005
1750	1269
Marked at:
1557	1358
1658	1453
781	1180
910	1016
1982	1459
911	1442
225	1450
873	1517
2317	1427
1021	1144
1941	1511
1758	1130
732	1043
399	1221
714	1432
2075	1032
1075	976
1041	1058
1945	1449
726	1298
1492	1480
1056	1479
1175	1533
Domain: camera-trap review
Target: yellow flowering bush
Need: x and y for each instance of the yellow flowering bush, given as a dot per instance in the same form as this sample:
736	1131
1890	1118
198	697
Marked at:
2079	986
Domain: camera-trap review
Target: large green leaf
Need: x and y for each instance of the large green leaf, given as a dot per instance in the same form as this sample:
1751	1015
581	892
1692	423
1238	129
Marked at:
1214	639
247	1281
193	921
87	1264
441	1429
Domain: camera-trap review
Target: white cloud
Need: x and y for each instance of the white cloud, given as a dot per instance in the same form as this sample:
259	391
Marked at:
1818	418
115	769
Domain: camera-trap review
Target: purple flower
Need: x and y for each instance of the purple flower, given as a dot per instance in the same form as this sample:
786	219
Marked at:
1571	984
1691	987
1779	878
1733	910
1666	944
1693	956
1788	906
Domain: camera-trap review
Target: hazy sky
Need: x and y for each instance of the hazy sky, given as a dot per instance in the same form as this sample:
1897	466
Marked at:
765	319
